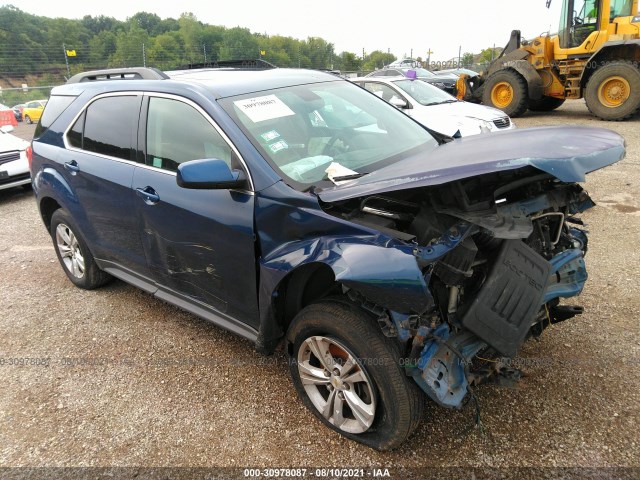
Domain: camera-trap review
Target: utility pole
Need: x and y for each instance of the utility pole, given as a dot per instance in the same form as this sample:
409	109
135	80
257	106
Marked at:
204	49
429	52
459	55
144	56
66	60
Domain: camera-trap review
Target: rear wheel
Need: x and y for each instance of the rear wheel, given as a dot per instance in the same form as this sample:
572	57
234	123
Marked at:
349	375
613	91
27	119
506	90
73	253
545	104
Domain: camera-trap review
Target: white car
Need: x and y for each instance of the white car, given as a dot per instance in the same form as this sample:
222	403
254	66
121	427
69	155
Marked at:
14	159
436	109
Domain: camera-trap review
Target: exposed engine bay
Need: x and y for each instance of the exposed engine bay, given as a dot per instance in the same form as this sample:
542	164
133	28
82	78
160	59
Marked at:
496	251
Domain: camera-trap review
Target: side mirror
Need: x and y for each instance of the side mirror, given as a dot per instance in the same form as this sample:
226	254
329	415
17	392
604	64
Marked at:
7	128
209	173
398	102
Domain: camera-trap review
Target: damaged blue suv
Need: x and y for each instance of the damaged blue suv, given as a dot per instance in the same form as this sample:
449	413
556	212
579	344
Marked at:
295	208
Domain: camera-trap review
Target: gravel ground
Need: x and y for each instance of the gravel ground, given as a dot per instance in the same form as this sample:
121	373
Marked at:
134	382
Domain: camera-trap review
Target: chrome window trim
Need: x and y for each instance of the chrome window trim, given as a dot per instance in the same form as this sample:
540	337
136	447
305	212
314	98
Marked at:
170	96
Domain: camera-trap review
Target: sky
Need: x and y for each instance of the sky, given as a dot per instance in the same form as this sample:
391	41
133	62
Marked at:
351	25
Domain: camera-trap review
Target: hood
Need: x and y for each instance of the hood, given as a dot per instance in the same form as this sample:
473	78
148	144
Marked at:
11	142
449	118
466	109
449	77
568	153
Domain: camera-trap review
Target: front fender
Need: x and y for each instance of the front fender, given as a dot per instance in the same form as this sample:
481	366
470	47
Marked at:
387	275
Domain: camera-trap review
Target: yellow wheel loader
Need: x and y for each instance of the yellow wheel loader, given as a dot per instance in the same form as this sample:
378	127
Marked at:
595	55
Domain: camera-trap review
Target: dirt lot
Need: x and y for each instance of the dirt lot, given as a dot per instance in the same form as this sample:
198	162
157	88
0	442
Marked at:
131	381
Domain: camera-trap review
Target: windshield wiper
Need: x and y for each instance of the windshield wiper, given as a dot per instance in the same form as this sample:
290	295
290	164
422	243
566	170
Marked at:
348	177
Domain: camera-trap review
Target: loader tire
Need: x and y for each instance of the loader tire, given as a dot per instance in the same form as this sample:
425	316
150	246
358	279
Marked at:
507	91
613	91
545	104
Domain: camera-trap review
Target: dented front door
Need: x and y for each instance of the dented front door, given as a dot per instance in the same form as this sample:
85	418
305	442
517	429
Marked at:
199	243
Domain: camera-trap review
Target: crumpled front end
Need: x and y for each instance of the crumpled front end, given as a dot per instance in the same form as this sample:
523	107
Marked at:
497	253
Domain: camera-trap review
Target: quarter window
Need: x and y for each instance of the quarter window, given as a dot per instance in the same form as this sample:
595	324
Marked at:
177	133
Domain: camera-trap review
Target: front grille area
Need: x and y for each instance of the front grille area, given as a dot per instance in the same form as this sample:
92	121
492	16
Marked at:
503	122
9	156
15	178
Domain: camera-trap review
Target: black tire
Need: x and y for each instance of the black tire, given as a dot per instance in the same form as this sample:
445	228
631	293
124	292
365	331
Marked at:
545	104
89	276
397	402
605	87
516	94
27	119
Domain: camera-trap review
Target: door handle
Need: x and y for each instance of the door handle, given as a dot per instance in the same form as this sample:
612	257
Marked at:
72	167
149	195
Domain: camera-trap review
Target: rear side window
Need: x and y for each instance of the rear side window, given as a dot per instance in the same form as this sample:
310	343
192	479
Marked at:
108	127
55	106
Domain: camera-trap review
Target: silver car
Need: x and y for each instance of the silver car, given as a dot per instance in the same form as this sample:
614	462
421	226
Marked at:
435	108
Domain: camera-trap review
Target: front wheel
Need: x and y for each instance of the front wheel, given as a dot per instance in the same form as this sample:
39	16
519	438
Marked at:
27	119
613	91
506	90
73	253
350	376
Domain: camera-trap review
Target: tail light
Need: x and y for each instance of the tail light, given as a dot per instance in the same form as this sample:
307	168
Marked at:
29	152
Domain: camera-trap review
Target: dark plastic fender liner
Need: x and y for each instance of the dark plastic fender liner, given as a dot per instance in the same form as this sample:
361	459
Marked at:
502	312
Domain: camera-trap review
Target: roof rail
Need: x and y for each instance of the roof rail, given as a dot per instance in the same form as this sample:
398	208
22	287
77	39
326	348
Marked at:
249	64
135	73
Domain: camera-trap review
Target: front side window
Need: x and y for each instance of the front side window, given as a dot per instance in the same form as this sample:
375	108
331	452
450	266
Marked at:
177	133
108	127
381	90
301	130
423	93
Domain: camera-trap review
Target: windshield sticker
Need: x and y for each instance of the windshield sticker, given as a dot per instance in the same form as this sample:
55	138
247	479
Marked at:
259	109
276	147
272	135
335	171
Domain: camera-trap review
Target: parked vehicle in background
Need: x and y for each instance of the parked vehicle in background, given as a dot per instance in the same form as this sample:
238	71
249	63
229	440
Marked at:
293	207
32	111
457	72
446	82
404	63
435	108
15	154
17	111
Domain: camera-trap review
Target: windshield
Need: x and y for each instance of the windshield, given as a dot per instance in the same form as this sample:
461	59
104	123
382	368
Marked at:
424	93
302	130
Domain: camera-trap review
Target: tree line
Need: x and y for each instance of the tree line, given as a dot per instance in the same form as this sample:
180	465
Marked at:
54	47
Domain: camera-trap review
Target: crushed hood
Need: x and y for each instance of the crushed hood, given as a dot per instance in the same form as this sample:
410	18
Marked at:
568	153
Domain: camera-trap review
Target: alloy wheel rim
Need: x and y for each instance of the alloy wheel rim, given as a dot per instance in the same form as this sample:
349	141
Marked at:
502	94
614	91
69	249
337	384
